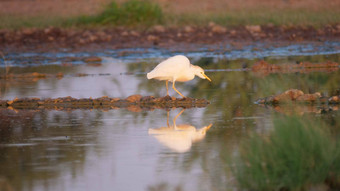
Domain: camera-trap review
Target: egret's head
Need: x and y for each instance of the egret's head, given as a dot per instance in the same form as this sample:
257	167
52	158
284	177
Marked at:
200	134
200	72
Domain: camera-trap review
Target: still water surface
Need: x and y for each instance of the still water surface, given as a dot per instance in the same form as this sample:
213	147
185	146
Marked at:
120	149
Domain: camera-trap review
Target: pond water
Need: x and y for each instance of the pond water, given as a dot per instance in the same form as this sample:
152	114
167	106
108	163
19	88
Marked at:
120	149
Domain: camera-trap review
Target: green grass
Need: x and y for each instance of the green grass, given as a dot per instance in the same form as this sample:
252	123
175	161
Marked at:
130	13
295	155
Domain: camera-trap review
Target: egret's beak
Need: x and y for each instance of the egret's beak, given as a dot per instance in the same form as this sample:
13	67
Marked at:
206	77
206	128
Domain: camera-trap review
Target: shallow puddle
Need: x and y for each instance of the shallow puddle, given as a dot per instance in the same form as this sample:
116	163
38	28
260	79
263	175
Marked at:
119	149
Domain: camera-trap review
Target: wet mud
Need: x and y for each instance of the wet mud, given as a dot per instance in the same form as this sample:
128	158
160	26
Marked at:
298	96
134	103
296	102
49	39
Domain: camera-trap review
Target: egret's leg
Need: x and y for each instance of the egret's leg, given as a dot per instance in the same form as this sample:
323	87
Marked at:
167	119
167	89
174	121
173	86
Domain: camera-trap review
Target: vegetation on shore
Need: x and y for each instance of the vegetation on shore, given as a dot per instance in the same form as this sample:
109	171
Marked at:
295	156
129	13
135	13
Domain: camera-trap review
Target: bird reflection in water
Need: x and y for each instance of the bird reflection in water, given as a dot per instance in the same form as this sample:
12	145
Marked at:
179	138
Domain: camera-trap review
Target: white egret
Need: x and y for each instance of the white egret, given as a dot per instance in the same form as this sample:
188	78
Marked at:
176	68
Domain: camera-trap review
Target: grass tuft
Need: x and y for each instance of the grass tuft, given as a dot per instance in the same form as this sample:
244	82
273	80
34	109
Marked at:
130	13
294	156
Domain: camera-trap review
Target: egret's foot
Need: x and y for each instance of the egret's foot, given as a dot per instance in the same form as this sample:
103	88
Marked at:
186	99
167	97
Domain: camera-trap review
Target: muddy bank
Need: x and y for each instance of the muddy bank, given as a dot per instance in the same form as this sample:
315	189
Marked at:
133	103
54	39
298	96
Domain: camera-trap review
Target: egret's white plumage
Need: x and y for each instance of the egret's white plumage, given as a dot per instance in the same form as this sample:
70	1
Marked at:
176	68
179	137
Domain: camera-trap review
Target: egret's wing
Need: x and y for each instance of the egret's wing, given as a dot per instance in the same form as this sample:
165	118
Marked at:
170	67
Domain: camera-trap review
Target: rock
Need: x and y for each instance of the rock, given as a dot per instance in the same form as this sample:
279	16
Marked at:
28	31
253	28
334	99
48	30
218	29
114	99
159	28
309	97
287	96
233	32
261	65
134	98
134	33
147	98
38	75
152	38
338	27
297	96
92	38
188	29
211	24
167	98
50	38
81	41
59	75
93	59
293	93
125	33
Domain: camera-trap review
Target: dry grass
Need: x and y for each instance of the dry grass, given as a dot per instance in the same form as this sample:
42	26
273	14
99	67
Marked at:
67	8
16	13
220	6
60	8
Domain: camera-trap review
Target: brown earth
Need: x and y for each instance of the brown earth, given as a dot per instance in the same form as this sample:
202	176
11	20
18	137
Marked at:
133	103
53	39
294	101
302	109
298	96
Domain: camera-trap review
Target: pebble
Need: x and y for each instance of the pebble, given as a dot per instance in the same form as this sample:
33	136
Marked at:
159	28
218	29
254	28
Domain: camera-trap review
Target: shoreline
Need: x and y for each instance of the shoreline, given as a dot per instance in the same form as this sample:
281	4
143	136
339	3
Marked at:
54	39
